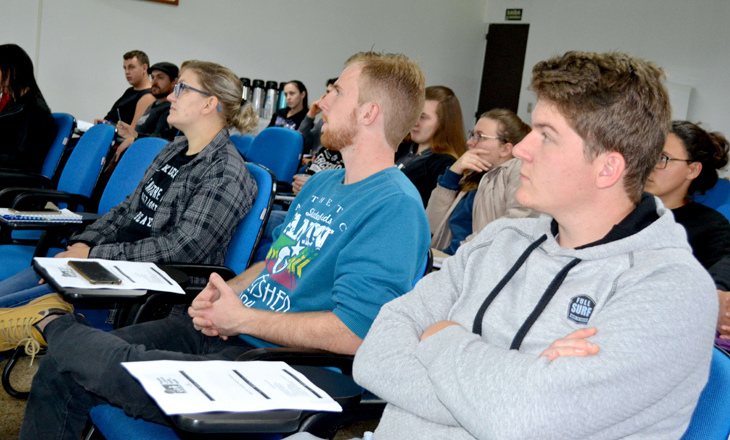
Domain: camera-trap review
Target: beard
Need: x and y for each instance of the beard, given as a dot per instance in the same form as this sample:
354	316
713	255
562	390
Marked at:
337	138
160	93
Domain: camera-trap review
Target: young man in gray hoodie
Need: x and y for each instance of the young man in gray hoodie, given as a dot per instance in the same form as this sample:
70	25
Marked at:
593	321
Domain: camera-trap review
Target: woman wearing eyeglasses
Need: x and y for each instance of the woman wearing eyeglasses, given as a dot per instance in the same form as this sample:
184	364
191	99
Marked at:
479	187
689	164
191	198
437	140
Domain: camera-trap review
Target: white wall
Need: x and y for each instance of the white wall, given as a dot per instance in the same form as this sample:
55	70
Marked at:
19	20
689	39
82	41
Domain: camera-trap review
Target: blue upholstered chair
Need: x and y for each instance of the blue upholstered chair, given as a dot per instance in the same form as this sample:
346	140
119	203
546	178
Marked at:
65	125
711	419
242	248
716	196
78	178
724	210
242	142
50	172
278	149
124	180
114	424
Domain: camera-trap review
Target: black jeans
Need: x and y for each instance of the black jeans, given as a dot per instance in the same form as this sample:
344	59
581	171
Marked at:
83	369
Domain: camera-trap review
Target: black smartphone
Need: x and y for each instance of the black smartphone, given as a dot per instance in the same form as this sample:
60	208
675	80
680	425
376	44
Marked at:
94	272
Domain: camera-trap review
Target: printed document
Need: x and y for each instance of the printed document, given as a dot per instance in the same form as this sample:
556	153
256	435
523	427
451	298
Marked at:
181	387
137	278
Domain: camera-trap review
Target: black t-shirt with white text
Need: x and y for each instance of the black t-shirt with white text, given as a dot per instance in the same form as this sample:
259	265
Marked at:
152	193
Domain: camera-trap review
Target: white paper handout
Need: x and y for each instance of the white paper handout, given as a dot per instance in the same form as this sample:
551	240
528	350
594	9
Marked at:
137	278
181	387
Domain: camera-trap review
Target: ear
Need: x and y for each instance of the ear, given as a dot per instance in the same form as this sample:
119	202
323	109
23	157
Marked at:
304	95
611	169
695	168
506	150
369	113
210	105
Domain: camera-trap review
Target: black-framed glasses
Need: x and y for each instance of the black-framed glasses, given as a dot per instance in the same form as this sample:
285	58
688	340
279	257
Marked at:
664	160
478	137
179	87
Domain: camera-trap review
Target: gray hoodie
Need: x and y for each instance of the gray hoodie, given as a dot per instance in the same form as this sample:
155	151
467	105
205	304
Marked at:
653	305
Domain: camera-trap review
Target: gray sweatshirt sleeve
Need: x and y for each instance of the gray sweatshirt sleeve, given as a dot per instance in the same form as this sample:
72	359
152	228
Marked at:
391	369
624	388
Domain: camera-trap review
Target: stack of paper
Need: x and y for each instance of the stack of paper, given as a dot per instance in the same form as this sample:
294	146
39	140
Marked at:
181	387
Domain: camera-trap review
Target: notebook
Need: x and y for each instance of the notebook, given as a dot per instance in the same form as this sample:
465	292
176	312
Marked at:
62	216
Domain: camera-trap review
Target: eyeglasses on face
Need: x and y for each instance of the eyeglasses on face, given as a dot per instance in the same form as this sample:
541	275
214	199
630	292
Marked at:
179	87
477	137
664	160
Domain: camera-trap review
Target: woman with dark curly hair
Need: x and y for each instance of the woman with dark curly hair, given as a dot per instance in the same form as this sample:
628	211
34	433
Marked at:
689	164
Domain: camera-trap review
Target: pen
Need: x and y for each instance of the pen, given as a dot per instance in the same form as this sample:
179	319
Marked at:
119	115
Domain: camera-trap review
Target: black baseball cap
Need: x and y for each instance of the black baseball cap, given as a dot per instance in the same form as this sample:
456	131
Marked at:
168	68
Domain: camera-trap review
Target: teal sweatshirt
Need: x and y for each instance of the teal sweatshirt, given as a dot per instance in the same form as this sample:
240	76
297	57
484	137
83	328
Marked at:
344	248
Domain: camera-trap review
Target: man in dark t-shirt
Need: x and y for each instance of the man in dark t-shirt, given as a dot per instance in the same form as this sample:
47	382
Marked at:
137	98
153	123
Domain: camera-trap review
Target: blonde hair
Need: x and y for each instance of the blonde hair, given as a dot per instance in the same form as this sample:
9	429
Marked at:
397	85
222	83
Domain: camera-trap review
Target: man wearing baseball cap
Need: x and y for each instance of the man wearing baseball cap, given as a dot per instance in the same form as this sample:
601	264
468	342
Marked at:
153	123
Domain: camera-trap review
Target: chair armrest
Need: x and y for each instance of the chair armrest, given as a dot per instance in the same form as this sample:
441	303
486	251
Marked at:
202	270
301	356
341	388
32	199
13	178
283	187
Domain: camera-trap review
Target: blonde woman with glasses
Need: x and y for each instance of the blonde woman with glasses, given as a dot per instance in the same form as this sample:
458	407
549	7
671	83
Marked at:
480	186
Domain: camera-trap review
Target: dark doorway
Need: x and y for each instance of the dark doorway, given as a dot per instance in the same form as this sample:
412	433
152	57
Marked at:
504	61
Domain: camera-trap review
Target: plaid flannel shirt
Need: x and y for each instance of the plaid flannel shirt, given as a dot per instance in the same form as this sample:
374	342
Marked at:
197	216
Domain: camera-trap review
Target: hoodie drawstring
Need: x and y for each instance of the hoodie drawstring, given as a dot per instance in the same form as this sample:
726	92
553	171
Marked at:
539	308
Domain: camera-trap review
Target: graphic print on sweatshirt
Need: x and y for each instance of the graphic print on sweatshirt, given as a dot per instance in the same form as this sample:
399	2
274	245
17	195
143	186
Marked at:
301	241
580	309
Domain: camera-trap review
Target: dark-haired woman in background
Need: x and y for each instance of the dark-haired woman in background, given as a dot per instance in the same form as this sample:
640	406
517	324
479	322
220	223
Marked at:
27	128
689	164
480	187
296	107
438	140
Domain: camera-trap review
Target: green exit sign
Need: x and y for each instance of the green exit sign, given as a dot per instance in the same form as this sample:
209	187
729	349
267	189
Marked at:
513	15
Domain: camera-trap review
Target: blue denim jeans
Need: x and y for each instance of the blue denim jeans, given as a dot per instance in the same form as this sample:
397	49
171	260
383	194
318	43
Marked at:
22	288
83	369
